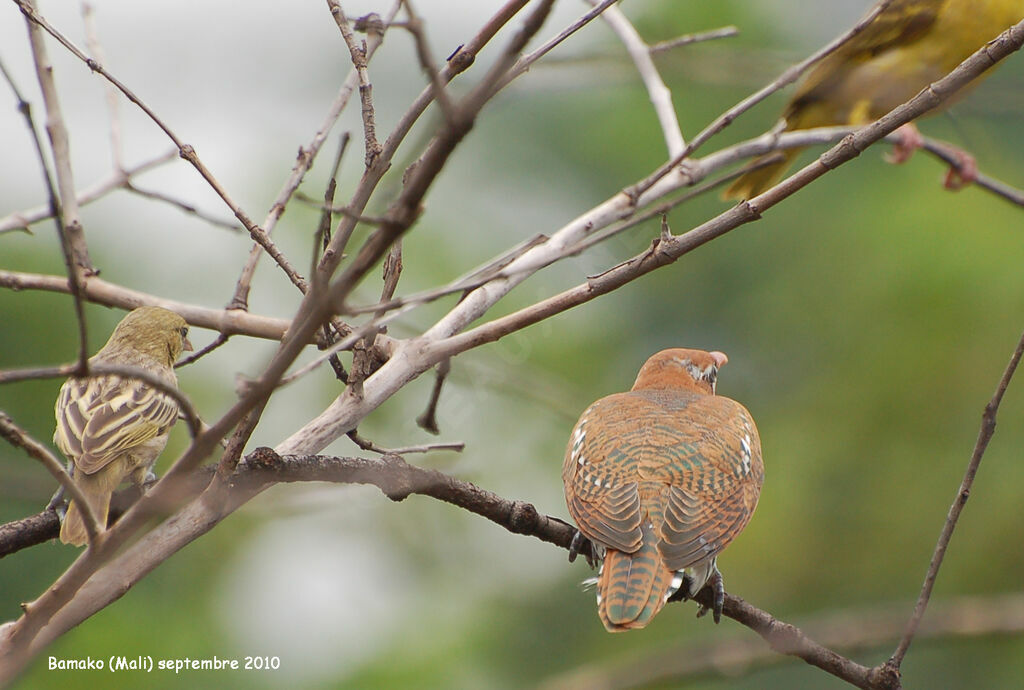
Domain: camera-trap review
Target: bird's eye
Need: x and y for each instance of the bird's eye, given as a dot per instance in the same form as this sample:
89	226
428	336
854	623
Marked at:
184	331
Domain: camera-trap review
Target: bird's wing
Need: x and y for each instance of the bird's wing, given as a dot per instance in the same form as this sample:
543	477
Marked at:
714	478
900	24
600	483
109	415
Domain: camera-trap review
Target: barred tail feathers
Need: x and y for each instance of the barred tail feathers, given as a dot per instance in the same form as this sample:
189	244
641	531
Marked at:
632	588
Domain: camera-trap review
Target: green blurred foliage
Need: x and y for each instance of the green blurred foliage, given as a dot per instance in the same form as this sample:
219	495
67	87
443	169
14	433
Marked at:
867	320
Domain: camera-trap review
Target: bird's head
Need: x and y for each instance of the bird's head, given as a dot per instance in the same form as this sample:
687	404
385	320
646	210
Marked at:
694	370
154	331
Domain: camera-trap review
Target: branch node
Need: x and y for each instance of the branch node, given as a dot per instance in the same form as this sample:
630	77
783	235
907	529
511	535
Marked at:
369	24
395	481
523	518
461	60
263	458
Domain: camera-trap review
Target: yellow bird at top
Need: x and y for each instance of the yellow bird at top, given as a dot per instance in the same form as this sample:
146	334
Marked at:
909	45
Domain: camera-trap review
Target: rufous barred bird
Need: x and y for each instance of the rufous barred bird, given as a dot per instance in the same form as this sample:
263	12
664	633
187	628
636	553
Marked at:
660	480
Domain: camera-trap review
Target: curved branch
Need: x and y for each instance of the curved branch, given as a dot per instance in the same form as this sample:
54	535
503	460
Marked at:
397	480
660	95
851	630
988	428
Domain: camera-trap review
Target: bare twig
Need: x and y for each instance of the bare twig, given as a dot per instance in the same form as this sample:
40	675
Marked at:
117	180
304	162
64	209
988	428
183	206
70	221
358	54
660	95
218	341
366	444
428	420
458	62
415	27
525	62
687	39
92	42
99	291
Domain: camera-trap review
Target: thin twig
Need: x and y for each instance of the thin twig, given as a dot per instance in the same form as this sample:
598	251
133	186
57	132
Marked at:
659	94
64	209
322	239
415	27
988	428
359	55
366	444
117	180
184	206
306	156
221	339
92	42
406	208
458	62
687	39
69	218
99	291
525	62
428	420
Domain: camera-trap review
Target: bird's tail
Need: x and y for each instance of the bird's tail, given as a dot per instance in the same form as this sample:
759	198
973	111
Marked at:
750	184
72	530
632	587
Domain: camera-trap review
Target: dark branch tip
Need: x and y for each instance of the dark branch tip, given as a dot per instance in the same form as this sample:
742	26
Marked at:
461	60
263	458
523	517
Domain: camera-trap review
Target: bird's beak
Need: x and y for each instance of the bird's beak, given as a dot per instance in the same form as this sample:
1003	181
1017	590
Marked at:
186	345
720	359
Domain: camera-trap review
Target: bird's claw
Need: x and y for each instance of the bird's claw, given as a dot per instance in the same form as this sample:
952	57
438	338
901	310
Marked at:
962	173
717	585
57	504
582	545
910	141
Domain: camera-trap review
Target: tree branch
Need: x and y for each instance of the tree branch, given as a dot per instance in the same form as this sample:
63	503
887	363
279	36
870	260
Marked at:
850	630
988	428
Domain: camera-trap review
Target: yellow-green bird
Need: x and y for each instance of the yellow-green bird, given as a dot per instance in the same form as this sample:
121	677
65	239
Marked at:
113	428
909	45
